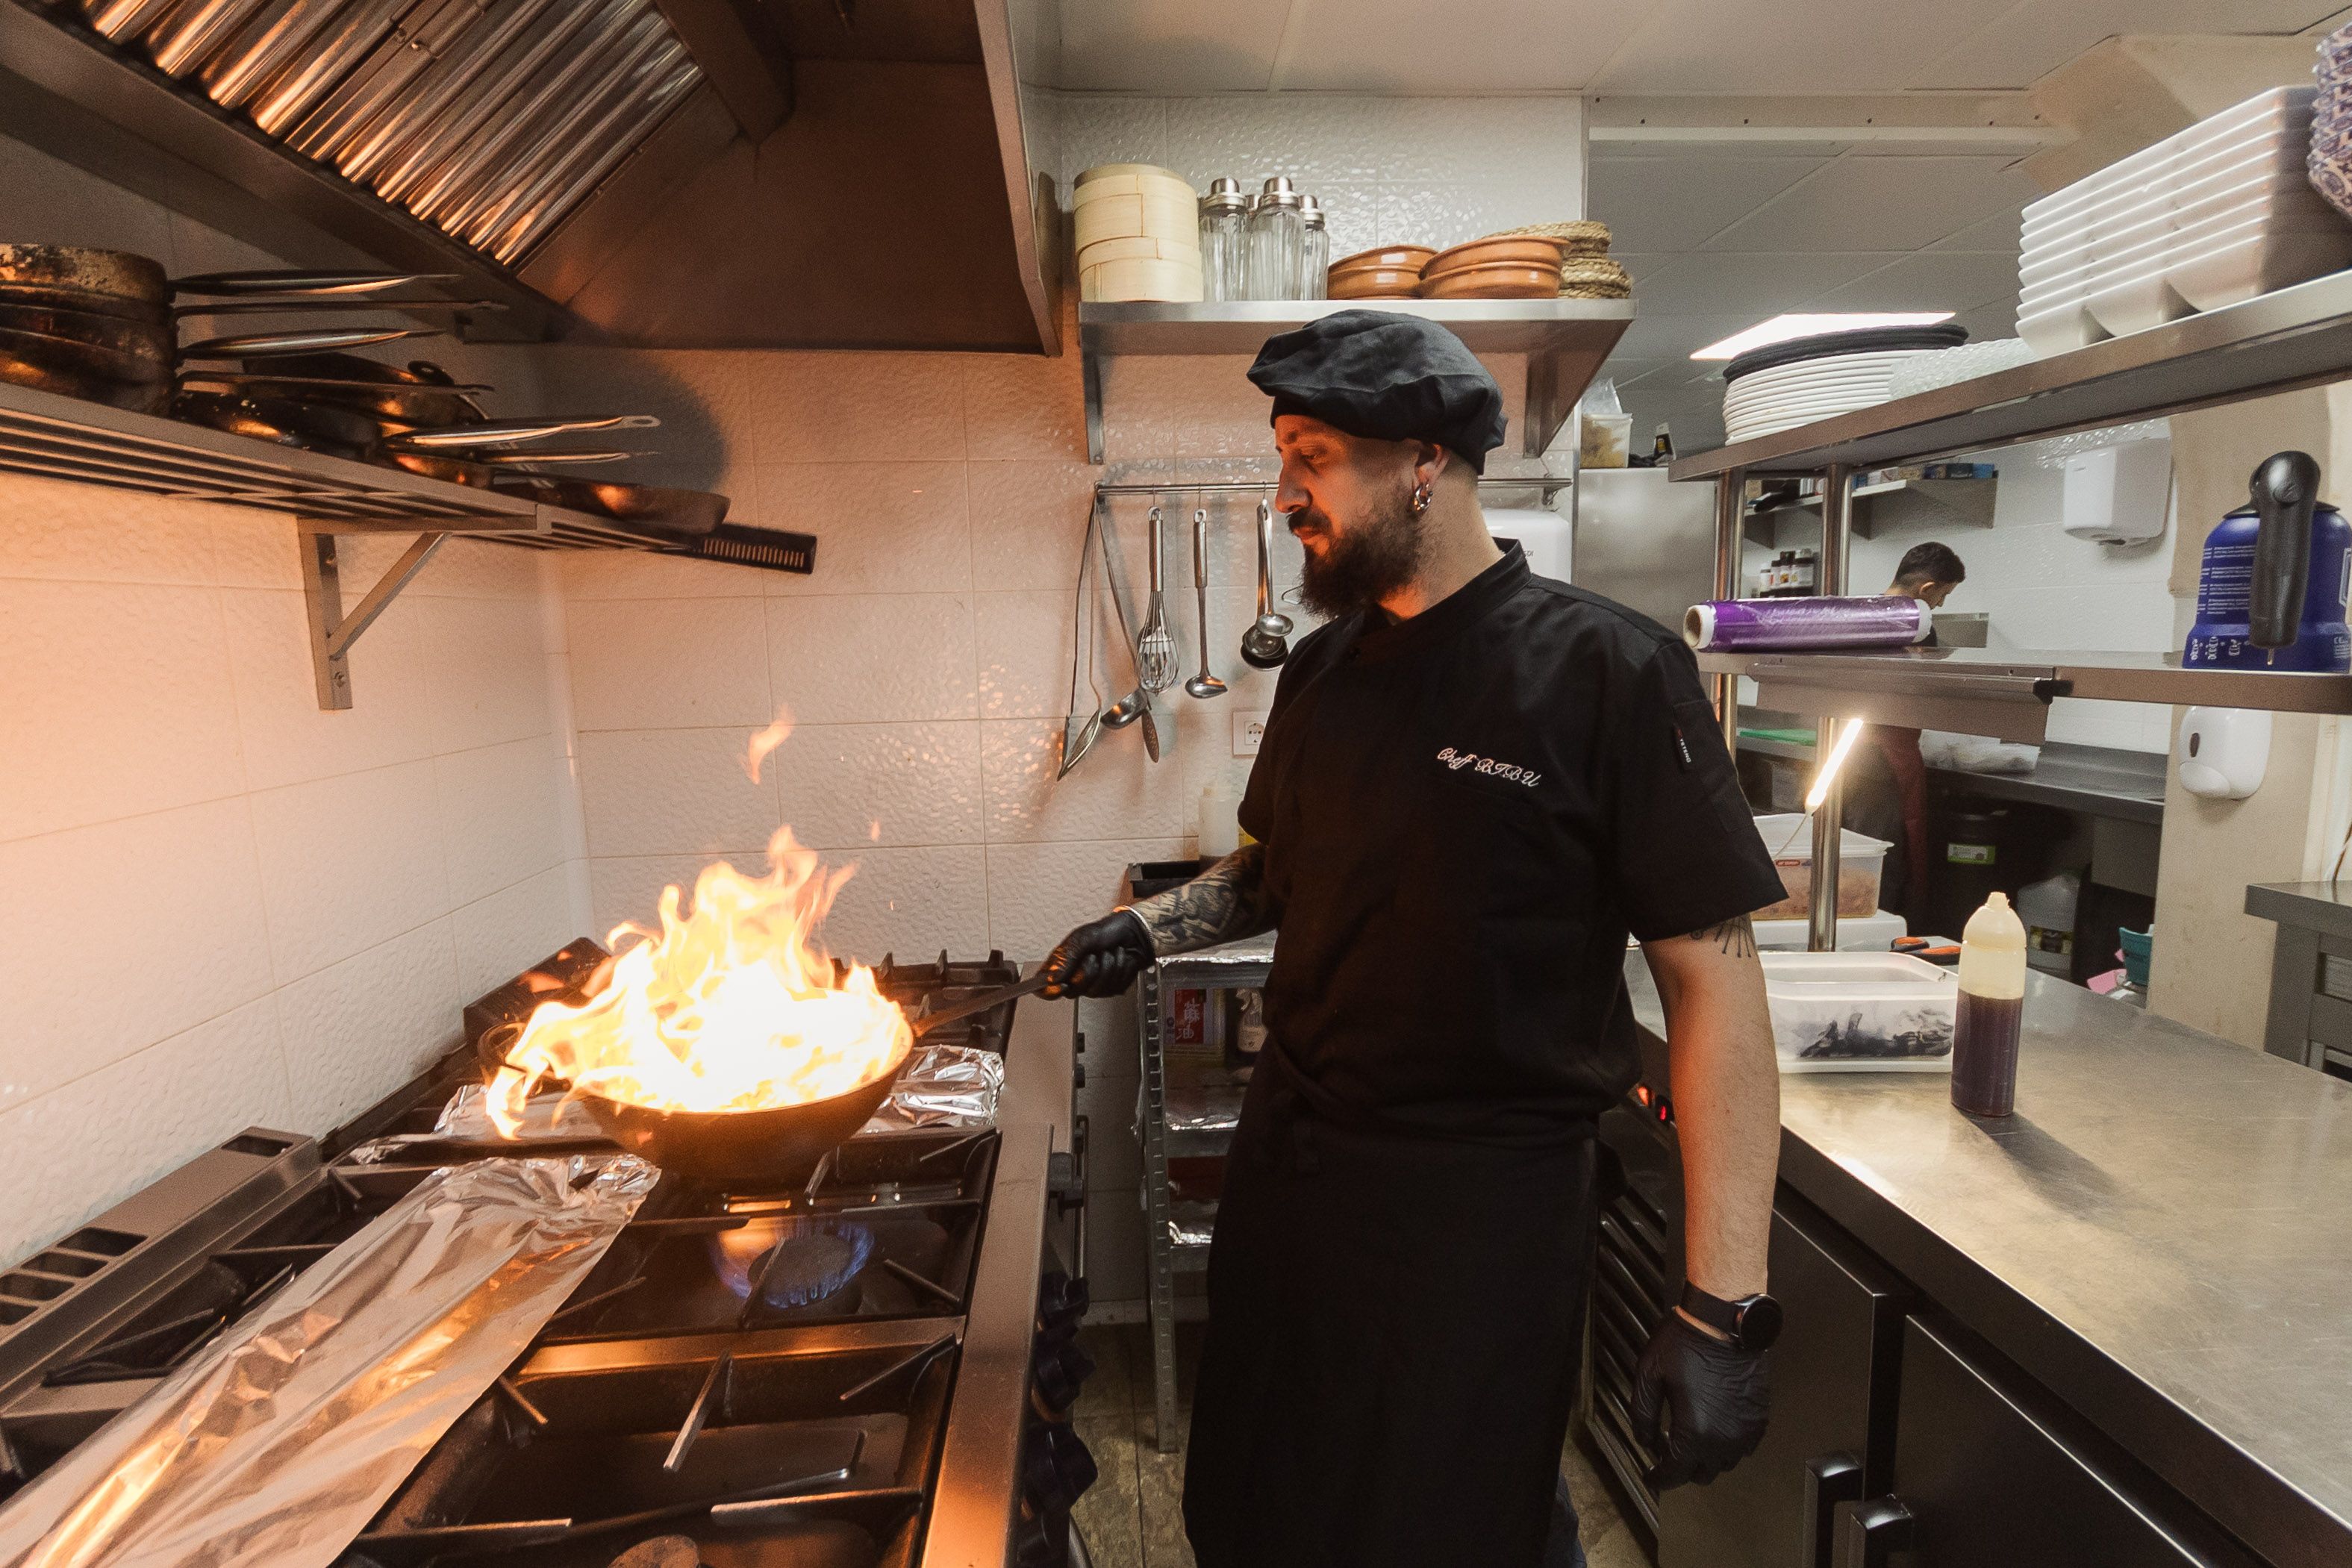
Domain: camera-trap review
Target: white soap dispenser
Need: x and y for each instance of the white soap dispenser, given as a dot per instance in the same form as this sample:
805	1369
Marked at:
2223	752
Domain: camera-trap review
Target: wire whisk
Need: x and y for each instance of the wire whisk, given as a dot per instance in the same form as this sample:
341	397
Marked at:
1155	648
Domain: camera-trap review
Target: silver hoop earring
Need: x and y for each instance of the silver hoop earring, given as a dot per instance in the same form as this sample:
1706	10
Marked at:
1420	499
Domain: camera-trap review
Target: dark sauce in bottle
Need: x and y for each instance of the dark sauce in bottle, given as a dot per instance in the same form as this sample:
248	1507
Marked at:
1984	1054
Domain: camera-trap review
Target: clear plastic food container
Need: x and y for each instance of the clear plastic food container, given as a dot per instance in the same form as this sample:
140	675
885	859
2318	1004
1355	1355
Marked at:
1788	835
1860	1012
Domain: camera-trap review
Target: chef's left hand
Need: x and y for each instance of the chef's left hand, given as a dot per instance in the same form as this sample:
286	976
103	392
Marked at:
1714	1399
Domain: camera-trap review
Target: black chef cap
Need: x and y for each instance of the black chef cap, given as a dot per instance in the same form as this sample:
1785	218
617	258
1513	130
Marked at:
1386	376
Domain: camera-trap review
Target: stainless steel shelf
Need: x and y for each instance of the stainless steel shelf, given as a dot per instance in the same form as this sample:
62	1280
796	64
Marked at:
1565	341
2006	692
2297	337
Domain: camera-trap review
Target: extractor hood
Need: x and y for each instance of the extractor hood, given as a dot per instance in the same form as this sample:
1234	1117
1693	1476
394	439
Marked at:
819	173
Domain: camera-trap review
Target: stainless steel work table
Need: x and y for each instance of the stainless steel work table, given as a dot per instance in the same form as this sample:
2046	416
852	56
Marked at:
2097	780
2162	1236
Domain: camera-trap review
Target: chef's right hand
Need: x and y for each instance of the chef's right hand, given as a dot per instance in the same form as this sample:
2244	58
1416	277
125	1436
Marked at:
1699	1402
1100	959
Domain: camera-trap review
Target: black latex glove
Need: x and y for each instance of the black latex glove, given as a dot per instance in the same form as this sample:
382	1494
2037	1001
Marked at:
1713	1398
1100	959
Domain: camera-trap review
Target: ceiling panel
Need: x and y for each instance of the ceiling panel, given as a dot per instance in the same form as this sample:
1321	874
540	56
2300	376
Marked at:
1464	45
1769	282
1674	337
1171	45
1881	204
2002	231
1790	46
1668	202
1952	280
2031	37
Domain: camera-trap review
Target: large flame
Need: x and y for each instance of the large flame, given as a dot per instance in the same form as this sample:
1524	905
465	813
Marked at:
730	1005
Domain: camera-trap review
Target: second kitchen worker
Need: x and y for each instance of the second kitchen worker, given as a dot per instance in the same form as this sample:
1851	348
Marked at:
1474	783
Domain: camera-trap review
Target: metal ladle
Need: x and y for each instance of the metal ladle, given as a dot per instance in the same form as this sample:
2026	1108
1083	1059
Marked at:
1263	646
1204	684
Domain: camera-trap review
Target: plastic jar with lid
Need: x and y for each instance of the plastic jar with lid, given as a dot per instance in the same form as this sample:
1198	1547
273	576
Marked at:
1224	212
1315	251
1278	238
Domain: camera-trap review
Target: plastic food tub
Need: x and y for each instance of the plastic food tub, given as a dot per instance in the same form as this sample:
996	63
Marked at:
1860	1012
1789	837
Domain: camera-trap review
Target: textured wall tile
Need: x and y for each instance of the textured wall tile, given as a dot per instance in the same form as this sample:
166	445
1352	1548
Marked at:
1037	892
1110	128
1024	654
1449	214
477	568
488	671
1025	405
913	902
841	407
92	1143
1027	519
1437	141
499	814
669	663
114	698
83	533
1351	214
1316	140
674	791
347	862
629	888
122	935
854	658
849	786
286	738
498	937
702	397
628	574
355	1031
1116	794
881	527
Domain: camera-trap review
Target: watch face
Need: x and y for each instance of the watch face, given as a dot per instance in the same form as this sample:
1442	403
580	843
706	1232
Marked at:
1760	1322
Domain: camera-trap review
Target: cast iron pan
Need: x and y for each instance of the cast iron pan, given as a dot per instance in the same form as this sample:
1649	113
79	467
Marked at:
118	272
80	358
354	367
139	397
316	427
59	297
138	341
777	1146
398	407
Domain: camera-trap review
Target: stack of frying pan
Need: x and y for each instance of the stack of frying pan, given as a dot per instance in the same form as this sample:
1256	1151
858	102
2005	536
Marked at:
103	326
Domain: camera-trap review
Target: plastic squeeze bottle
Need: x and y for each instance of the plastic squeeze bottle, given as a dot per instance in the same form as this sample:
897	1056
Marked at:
1991	1008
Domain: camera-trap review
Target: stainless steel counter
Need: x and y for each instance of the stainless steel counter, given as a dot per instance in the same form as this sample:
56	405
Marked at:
2162	1236
2098	780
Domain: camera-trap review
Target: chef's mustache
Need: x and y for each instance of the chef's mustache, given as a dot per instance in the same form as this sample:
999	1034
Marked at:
1307	518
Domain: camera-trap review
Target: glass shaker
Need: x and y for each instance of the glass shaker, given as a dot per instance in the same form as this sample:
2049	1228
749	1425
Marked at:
1314	251
1223	212
1278	236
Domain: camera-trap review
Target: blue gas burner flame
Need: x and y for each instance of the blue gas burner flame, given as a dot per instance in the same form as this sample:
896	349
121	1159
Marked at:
798	1260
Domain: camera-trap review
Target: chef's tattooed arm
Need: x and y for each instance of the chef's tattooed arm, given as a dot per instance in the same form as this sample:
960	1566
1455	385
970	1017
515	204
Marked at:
1223	904
1734	938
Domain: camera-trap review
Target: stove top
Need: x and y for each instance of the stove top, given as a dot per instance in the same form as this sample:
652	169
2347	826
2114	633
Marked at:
746	1378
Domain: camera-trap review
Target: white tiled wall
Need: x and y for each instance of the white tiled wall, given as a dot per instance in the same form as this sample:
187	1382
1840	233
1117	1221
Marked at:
223	906
2042	590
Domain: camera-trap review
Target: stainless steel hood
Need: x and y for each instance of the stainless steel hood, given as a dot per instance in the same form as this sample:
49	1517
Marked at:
665	173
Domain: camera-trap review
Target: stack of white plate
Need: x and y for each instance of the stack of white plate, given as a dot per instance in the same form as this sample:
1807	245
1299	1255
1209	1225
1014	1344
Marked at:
1138	233
2217	214
1763	402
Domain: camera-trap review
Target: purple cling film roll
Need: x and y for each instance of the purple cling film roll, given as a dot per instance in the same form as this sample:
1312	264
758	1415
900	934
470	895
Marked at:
1748	623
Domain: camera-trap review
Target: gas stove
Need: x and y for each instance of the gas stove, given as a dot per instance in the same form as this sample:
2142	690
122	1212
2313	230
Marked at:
871	1369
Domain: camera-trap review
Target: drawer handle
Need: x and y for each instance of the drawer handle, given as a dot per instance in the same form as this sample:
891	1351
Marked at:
1869	1533
1831	1480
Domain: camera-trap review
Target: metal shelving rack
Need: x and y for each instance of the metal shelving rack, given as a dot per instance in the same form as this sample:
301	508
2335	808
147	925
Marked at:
69	438
2297	337
1177	1242
1565	341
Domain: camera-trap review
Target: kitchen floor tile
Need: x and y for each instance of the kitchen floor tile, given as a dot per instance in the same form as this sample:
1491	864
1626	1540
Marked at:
1159	1489
1108	1395
1109	1517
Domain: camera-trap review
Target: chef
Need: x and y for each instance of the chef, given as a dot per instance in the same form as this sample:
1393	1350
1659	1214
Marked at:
1888	795
1474	783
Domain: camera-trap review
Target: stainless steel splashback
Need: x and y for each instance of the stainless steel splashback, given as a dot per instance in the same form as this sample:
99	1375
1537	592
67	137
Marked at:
1645	542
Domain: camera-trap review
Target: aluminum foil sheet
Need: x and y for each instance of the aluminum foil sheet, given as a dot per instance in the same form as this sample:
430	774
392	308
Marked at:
943	1086
550	1115
277	1444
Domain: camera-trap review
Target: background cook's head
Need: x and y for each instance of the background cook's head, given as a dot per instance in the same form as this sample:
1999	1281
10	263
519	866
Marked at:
1928	573
1383	423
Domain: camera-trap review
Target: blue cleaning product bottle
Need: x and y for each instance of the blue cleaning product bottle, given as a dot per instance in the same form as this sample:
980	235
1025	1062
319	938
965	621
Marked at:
2271	593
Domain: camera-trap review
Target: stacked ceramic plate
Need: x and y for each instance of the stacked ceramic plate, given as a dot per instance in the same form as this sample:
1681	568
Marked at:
2219	213
1783	385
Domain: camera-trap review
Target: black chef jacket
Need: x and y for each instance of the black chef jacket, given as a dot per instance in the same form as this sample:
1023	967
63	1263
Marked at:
1465	814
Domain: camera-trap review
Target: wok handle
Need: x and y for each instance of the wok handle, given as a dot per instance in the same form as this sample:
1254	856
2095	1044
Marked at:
979	1004
2285	493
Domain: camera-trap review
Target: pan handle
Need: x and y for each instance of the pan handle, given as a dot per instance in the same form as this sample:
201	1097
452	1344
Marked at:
979	1004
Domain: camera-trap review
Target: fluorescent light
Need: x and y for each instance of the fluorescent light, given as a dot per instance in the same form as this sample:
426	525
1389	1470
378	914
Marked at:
1780	328
1820	789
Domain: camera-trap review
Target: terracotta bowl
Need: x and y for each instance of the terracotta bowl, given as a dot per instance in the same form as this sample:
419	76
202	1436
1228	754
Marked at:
1387	258
1375	282
1494	280
1507	251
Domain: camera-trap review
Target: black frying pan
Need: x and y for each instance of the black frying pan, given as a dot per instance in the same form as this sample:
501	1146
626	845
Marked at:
76	357
19	369
63	297
403	407
116	272
355	367
140	344
316	427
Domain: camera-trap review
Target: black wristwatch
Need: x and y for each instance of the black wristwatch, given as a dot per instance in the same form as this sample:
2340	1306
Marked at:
1751	1322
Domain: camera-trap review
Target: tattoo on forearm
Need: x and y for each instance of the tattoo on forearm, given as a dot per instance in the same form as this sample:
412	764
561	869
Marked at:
1735	938
1223	904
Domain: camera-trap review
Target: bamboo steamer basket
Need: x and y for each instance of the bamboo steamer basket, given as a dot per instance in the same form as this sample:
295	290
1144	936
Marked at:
1166	187
1136	217
1141	278
1187	249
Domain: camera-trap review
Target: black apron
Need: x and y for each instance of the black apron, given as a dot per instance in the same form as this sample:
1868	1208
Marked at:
1394	1328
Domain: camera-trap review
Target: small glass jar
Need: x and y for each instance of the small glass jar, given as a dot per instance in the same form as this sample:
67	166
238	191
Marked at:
1278	238
1225	213
1315	251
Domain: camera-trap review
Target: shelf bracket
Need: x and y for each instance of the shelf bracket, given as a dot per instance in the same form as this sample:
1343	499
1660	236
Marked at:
332	628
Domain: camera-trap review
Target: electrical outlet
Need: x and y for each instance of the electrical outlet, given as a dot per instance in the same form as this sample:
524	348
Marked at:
1249	728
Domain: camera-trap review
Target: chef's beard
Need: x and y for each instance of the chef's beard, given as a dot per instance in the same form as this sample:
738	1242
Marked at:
1367	563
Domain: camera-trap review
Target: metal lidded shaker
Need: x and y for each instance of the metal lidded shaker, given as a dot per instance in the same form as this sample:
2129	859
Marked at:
1278	238
1314	255
1225	218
